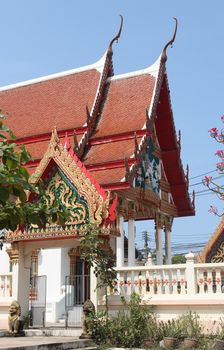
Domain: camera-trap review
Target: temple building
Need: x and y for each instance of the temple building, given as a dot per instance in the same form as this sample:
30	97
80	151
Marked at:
105	146
213	252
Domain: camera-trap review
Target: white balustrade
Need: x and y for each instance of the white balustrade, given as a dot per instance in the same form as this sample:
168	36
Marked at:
210	278
178	279
6	285
155	280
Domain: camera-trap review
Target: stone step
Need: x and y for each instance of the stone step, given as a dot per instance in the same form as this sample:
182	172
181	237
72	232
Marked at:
54	332
88	348
45	343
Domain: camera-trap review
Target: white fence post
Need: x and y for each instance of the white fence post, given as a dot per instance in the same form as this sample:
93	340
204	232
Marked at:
190	274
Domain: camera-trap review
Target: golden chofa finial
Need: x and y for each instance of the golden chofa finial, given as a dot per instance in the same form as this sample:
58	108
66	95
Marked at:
116	37
170	43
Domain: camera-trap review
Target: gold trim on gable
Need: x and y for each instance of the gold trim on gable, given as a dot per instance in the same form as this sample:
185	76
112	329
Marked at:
98	201
212	240
97	205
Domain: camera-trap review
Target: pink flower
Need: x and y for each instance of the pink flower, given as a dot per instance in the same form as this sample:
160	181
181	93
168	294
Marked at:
213	132
206	181
220	153
221	196
213	210
220	166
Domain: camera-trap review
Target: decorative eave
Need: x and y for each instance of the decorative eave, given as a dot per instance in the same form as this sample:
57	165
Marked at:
92	117
101	212
210	244
176	151
158	70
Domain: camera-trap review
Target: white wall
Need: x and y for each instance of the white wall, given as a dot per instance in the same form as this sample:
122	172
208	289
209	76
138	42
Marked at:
4	260
54	263
49	264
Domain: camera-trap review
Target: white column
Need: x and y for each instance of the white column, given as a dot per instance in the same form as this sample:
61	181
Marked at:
159	248
93	288
21	279
120	244
131	242
190	274
168	246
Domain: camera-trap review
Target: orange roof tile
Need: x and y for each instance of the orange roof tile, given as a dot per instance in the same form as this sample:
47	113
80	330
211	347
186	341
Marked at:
108	176
61	102
126	103
121	110
110	152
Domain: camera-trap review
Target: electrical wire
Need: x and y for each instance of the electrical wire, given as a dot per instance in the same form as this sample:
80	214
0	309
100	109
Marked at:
209	172
201	183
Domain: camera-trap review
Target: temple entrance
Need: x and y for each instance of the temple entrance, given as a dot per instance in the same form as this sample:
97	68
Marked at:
77	291
81	283
38	301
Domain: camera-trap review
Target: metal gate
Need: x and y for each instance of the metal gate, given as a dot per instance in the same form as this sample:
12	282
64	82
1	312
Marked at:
77	291
38	301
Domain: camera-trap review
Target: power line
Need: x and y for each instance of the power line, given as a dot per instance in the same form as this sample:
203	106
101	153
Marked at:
201	183
209	172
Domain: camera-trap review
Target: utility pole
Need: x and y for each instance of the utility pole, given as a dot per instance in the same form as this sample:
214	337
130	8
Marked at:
146	238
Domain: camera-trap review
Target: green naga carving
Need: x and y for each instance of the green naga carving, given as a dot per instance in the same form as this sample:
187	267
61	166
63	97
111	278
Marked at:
148	174
59	189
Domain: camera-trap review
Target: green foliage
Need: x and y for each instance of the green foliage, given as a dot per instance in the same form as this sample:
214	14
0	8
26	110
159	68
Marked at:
171	328
99	326
95	253
191	325
178	259
220	332
15	209
129	328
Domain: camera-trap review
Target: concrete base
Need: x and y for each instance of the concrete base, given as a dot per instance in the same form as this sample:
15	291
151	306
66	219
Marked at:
54	332
45	343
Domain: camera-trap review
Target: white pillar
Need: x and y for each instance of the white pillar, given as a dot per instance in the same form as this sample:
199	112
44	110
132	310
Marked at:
159	248
168	246
93	287
120	244
131	242
21	278
190	274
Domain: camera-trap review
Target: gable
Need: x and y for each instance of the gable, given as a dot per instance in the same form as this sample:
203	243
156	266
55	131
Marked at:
214	249
59	189
67	182
149	172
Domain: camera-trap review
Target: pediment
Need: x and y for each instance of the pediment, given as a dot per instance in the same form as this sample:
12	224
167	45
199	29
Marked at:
67	182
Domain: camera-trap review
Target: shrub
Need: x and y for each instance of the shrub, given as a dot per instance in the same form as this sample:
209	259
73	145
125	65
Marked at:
129	328
171	328
190	325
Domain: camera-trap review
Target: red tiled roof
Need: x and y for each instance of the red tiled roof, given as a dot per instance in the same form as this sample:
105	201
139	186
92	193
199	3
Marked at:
166	134
108	176
38	149
110	152
61	102
126	103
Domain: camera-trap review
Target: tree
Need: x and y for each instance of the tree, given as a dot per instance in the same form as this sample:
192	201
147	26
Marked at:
208	180
98	255
178	259
15	186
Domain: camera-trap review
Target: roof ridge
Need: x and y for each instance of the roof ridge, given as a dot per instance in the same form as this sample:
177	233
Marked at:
152	69
98	65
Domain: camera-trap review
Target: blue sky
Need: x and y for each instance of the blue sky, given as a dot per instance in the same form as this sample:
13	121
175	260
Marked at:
48	36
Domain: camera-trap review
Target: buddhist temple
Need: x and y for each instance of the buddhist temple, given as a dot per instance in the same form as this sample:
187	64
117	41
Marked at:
106	147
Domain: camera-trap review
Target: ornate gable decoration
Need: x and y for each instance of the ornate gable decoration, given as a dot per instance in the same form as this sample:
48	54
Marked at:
67	181
214	249
149	171
64	157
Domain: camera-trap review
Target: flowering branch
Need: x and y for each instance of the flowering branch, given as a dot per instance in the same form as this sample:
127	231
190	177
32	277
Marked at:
208	180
